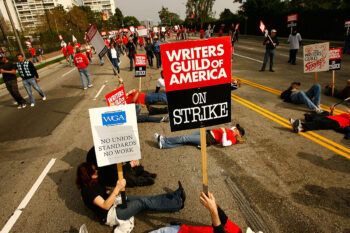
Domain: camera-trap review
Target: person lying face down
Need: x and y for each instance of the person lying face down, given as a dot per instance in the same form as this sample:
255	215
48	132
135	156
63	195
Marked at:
107	207
216	136
137	97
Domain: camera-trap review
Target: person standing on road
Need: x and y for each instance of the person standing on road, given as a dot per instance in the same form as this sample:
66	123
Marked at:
311	98
70	52
156	51
295	41
32	52
113	56
222	136
8	71
149	52
131	52
82	62
30	78
271	44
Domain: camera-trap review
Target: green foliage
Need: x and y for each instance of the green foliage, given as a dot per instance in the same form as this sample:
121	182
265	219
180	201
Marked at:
169	18
131	21
199	10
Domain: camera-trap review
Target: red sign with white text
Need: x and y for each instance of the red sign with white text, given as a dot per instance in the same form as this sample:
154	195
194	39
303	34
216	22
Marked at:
116	97
197	63
140	60
335	53
293	17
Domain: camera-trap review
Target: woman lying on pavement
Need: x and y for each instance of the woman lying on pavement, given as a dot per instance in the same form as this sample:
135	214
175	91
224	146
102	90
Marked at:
220	222
223	136
107	206
137	97
339	122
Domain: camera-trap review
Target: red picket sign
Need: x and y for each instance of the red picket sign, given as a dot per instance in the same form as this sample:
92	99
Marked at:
116	97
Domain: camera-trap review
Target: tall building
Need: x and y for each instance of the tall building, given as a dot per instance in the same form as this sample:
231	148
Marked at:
103	6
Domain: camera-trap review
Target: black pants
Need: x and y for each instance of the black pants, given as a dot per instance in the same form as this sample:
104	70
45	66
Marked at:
12	87
157	110
320	122
293	56
150	60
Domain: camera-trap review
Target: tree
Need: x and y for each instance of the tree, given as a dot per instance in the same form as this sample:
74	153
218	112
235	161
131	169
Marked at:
226	15
169	18
199	10
131	21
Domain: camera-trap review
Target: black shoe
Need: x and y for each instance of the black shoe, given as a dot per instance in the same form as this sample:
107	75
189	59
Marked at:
149	174
262	70
271	70
182	194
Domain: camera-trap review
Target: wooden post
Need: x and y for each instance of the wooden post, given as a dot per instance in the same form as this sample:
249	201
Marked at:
316	77
333	81
204	159
139	83
122	192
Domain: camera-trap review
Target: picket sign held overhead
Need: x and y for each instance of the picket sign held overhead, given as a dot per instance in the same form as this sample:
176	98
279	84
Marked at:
94	37
142	32
140	65
116	97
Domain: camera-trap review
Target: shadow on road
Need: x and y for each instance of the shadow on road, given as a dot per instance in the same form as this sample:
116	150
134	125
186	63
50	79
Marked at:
38	121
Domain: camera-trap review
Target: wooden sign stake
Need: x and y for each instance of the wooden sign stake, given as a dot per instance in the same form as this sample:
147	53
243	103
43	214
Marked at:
204	160
139	83
316	77
333	81
122	192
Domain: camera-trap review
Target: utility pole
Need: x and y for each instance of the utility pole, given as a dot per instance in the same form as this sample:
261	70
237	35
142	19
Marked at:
14	29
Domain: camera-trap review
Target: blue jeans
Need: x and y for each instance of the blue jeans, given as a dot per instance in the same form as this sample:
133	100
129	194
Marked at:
169	229
152	98
84	77
171	142
169	202
28	84
311	98
102	61
159	60
269	54
115	63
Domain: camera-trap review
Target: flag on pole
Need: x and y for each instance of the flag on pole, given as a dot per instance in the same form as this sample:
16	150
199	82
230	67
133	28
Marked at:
262	27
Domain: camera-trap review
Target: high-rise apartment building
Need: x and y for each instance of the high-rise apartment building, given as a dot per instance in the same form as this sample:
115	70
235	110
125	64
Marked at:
105	6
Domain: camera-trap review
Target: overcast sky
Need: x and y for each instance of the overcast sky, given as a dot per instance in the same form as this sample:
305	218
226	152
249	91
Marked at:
148	9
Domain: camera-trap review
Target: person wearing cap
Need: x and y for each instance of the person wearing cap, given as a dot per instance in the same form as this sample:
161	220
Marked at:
311	98
271	43
82	62
223	136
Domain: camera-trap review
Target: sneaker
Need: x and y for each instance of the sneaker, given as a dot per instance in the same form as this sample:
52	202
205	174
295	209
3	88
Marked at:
32	105
318	110
90	85
44	98
85	88
24	105
14	103
19	106
291	121
297	127
159	137
165	119
271	70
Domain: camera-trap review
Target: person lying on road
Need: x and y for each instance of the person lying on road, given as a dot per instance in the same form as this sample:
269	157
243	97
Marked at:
147	118
137	97
340	123
222	136
107	206
220	222
311	98
339	94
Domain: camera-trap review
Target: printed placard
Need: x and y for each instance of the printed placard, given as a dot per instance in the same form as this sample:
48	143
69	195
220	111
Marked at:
293	17
116	97
96	40
335	56
197	76
115	134
140	65
316	57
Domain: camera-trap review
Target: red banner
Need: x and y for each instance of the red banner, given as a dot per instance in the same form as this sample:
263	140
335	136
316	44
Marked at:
293	17
116	97
198	63
335	54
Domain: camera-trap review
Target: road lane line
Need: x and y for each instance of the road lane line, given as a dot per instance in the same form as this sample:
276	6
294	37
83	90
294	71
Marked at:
99	92
68	72
333	146
326	140
11	222
253	59
278	92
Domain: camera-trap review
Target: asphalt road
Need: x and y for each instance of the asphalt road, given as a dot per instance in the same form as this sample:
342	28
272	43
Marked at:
277	181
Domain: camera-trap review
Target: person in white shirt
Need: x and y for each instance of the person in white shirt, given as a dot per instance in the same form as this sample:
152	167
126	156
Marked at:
295	41
113	56
160	83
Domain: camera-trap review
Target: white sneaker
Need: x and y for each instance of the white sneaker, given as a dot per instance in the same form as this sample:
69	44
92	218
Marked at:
158	138
90	85
297	127
318	110
32	105
85	88
291	121
165	119
14	103
19	106
44	98
24	105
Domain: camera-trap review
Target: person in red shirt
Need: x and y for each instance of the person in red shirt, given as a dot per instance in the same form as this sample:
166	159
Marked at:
320	122
82	62
201	33
220	222
32	52
70	51
137	97
222	136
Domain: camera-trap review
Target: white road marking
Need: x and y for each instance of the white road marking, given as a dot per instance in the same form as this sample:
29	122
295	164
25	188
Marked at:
99	92
236	54
11	222
68	72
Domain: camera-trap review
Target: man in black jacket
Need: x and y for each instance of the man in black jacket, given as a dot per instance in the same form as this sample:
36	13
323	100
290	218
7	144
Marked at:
8	71
30	78
271	44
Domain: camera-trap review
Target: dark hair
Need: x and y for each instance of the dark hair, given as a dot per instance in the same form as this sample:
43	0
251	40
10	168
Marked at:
240	129
91	157
19	54
84	174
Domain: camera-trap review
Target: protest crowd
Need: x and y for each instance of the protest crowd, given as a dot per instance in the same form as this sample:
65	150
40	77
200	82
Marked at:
100	187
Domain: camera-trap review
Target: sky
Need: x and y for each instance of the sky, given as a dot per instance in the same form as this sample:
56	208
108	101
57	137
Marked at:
148	9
